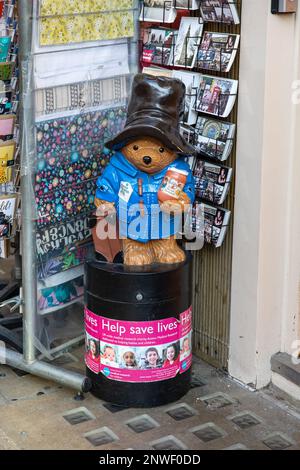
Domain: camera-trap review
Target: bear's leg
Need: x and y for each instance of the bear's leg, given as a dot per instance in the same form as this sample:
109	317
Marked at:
167	251
136	253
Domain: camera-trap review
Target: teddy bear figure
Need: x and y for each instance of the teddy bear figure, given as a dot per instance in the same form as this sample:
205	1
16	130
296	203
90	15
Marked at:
148	183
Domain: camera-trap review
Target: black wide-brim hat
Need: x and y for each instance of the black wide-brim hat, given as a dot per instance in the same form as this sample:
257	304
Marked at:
155	109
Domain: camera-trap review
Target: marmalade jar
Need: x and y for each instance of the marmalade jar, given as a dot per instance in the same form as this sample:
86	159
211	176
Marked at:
172	185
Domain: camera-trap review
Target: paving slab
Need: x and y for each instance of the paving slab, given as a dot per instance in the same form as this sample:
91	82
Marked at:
217	413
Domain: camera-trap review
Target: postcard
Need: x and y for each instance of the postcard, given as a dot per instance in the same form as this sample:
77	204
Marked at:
187	42
216	95
158	11
217	51
214	139
192	82
158	44
220	11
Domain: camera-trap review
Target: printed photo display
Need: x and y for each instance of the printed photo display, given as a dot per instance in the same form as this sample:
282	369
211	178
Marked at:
186	4
158	11
216	95
217	51
212	181
220	11
138	351
216	221
158	46
187	42
192	82
161	356
214	139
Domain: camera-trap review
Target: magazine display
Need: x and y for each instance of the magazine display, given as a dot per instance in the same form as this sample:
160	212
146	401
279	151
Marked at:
213	138
217	51
158	44
212	182
186	4
187	42
216	95
158	11
157	71
219	11
192	82
216	221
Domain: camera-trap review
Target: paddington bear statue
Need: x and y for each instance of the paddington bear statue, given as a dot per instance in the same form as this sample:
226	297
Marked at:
148	183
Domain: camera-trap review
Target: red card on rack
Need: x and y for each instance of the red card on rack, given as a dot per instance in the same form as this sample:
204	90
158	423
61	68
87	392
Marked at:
2	3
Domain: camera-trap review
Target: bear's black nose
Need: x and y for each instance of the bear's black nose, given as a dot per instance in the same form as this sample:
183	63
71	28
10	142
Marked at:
147	160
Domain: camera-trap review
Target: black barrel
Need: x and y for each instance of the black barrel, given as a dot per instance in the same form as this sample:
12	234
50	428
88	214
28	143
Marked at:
116	292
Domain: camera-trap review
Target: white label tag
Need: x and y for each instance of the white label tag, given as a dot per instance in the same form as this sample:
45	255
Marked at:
125	191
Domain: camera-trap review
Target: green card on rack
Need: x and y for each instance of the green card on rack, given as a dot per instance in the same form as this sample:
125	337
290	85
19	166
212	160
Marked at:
6	70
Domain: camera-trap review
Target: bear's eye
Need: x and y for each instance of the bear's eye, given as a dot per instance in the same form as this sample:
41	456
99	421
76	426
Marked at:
161	150
135	147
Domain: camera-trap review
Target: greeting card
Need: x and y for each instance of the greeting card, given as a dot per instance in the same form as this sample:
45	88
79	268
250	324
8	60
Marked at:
7	153
6	70
5	43
8	206
5	175
7	125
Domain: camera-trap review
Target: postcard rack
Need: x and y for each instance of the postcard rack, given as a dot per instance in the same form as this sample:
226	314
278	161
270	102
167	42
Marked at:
47	99
9	149
212	266
194	7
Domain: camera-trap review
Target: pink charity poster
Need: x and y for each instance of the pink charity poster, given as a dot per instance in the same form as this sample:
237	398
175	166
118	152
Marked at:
130	351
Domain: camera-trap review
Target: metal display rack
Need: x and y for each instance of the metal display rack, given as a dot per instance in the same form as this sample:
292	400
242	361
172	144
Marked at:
30	361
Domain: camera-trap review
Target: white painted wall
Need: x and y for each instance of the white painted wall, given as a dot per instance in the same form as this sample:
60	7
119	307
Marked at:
266	252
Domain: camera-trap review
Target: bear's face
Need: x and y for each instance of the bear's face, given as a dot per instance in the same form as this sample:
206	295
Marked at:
148	154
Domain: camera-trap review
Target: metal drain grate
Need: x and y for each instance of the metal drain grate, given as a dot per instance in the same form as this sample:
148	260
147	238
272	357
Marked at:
142	423
196	382
217	400
208	432
237	447
20	373
101	436
181	411
277	441
114	408
245	420
77	416
168	443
